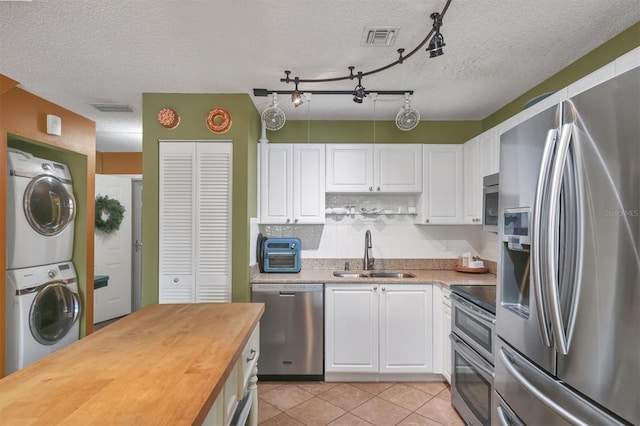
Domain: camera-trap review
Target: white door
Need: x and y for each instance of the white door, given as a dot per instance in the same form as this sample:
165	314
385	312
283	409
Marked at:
406	329
441	199
349	168
113	254
308	183
351	328
397	168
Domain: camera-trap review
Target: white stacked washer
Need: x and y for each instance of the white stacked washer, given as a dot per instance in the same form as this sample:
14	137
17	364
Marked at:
43	308
41	210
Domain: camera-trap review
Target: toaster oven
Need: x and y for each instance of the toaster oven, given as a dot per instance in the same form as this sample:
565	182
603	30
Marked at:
281	254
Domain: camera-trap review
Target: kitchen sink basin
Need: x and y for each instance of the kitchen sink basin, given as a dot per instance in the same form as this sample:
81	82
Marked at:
350	274
384	274
373	274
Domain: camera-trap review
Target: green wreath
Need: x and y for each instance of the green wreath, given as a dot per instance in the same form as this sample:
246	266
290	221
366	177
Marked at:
109	214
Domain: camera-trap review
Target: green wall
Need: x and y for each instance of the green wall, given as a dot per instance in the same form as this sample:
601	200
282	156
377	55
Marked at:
244	133
345	131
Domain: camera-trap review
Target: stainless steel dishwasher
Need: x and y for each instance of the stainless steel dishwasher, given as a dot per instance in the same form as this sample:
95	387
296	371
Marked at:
291	331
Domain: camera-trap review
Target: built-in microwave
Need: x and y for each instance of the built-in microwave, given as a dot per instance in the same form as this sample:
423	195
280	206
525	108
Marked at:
490	197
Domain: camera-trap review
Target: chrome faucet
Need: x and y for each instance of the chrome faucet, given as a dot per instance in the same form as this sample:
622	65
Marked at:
367	262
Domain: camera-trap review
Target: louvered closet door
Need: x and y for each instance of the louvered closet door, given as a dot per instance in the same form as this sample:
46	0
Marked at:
195	221
213	224
176	222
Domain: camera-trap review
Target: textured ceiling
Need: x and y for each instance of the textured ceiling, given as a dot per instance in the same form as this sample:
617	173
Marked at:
75	53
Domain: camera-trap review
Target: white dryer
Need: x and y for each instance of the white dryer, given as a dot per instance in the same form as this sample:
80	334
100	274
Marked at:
40	211
43	309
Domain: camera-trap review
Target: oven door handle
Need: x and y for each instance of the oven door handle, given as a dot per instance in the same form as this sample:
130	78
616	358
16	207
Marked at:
472	310
474	359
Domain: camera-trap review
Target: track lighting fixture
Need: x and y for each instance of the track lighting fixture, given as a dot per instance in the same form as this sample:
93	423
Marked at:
359	92
437	41
296	96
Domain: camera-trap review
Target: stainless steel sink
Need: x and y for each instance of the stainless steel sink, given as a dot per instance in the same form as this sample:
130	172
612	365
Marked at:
350	274
373	274
385	274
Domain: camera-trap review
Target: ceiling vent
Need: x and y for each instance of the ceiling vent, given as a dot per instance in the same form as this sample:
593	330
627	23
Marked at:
379	36
112	107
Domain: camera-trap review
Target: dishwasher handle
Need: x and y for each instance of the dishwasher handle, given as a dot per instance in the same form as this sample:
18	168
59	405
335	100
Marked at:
287	293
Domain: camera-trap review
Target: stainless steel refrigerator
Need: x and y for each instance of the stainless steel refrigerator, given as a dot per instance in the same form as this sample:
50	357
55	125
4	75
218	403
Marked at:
568	311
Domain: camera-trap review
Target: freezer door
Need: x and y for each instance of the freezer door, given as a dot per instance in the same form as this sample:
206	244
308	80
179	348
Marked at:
538	399
603	360
518	314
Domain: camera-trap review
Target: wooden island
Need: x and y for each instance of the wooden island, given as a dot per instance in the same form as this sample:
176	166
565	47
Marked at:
162	365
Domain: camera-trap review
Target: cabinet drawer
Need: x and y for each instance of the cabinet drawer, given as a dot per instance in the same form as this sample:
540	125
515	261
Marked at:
248	359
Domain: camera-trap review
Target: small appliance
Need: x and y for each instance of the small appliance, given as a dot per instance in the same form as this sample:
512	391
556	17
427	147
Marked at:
281	255
490	187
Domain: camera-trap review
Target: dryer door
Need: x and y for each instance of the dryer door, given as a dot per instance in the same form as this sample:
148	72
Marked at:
48	205
54	310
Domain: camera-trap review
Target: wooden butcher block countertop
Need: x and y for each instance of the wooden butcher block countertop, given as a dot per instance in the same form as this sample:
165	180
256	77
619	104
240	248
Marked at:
164	364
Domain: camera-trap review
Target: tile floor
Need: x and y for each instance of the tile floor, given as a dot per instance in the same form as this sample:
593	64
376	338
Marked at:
341	404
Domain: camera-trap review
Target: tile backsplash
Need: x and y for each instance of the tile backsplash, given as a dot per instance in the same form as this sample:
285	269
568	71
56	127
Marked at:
394	236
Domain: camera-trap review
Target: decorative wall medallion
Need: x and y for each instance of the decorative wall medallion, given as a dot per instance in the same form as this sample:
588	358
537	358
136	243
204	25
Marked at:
168	118
219	120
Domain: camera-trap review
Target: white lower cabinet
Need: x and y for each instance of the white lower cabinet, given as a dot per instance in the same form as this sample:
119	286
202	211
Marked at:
243	378
378	328
446	327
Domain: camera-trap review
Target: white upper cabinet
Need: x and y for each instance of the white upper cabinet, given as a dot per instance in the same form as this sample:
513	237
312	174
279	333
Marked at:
292	184
472	182
489	143
441	199
397	168
374	168
600	75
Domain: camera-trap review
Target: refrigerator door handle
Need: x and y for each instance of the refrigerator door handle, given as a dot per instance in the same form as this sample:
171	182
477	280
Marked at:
509	363
537	253
552	239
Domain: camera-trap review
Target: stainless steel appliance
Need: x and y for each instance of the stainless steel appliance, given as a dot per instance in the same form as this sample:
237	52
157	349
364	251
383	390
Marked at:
568	316
291	331
472	340
280	255
490	213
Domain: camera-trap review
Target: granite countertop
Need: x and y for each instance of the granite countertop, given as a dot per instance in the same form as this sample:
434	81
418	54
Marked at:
426	272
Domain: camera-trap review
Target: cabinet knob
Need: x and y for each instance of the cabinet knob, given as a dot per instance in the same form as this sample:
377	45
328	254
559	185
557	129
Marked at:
384	289
375	288
371	188
378	188
288	220
427	220
175	280
295	221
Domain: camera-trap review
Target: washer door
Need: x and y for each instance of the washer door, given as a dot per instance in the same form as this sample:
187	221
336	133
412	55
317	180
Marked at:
48	206
53	312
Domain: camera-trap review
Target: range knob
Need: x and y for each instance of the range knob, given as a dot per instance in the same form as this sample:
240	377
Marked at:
52	273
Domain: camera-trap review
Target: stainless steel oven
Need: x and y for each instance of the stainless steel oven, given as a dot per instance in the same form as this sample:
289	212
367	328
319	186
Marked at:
474	325
471	383
472	340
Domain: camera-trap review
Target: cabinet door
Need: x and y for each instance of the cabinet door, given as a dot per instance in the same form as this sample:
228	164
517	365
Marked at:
349	168
489	152
177	217
472	182
276	184
441	200
406	329
351	328
397	168
308	183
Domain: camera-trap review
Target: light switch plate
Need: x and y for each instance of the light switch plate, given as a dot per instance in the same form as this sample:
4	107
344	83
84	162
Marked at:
54	125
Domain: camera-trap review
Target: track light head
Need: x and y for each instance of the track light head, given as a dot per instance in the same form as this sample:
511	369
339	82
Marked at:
435	46
359	93
296	96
